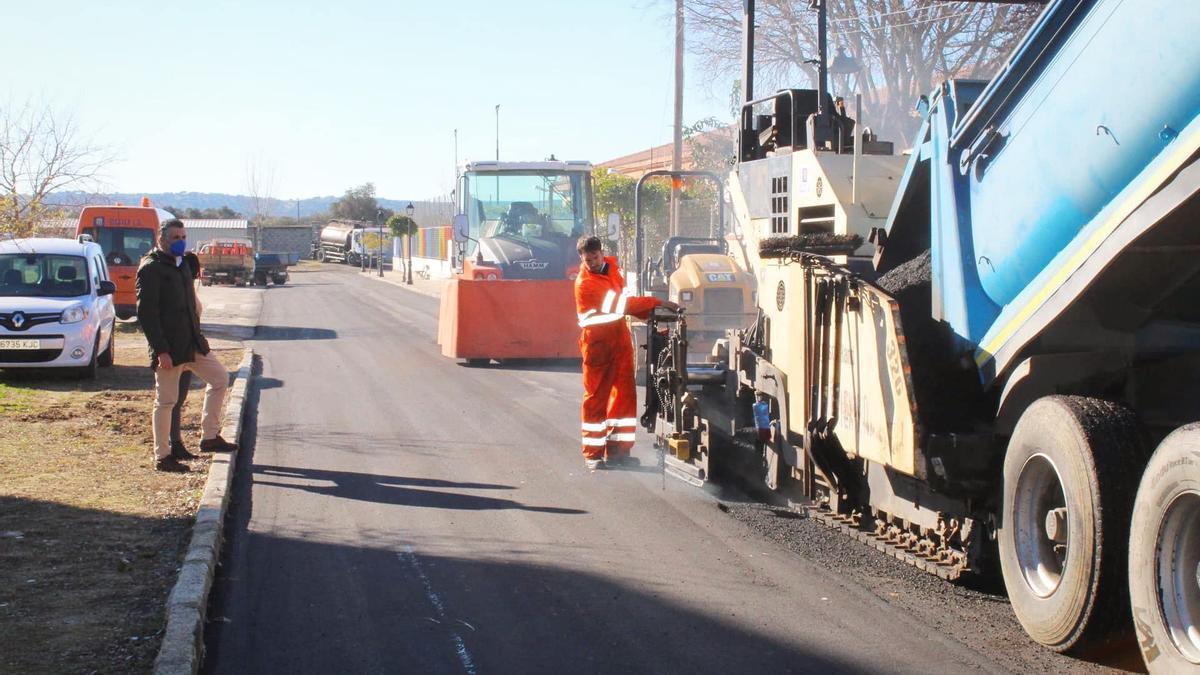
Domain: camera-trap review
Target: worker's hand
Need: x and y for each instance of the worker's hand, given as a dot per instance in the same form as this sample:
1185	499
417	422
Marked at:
165	362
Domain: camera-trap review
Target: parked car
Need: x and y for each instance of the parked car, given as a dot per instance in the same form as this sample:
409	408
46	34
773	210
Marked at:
56	305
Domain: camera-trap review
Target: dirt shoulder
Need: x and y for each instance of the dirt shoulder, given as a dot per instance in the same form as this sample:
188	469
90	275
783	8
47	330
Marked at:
91	536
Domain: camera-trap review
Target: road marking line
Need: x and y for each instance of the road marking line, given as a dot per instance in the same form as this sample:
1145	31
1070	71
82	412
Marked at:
464	656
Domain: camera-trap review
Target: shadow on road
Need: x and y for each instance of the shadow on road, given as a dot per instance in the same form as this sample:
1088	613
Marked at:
396	490
320	608
293	333
267	382
360	442
531	365
353	476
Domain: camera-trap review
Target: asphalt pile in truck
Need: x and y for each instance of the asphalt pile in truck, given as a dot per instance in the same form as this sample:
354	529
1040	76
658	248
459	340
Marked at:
945	382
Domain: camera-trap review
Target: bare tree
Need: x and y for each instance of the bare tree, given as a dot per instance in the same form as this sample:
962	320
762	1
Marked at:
41	152
260	182
905	47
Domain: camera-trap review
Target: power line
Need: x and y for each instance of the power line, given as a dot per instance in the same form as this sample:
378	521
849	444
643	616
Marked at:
883	14
901	25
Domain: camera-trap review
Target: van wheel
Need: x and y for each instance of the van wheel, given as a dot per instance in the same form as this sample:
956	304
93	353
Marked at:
1067	496
105	360
1164	556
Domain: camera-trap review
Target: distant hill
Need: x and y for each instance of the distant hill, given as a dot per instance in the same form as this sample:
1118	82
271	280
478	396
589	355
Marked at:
215	200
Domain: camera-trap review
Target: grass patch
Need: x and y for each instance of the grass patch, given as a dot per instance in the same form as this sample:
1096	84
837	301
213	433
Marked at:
91	536
14	400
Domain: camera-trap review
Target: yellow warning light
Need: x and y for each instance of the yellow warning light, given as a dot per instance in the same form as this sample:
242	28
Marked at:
145	201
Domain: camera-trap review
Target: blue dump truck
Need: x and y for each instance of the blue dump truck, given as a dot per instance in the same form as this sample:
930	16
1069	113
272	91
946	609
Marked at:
273	267
1009	378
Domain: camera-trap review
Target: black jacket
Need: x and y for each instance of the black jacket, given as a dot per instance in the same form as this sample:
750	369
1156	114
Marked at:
166	307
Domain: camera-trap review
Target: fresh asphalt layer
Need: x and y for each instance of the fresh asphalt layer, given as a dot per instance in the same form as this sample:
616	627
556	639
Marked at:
394	510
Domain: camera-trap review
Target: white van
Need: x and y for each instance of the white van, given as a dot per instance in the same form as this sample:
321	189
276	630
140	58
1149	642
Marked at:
56	308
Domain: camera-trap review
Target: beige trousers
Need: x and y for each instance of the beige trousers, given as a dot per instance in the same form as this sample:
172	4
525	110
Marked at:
166	393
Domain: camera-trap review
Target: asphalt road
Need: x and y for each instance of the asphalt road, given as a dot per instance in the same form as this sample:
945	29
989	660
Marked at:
396	511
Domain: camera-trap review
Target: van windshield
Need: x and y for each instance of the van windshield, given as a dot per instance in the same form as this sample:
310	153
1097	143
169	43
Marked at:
122	245
43	275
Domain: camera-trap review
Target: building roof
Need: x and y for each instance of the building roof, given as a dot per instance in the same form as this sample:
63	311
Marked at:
659	157
215	223
53	225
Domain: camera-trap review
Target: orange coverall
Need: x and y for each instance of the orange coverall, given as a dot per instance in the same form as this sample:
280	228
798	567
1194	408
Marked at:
609	393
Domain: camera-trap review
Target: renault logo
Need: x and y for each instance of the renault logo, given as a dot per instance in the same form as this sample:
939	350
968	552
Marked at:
18	320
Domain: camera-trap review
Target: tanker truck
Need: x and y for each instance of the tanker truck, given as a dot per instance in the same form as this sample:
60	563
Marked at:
352	241
1012	381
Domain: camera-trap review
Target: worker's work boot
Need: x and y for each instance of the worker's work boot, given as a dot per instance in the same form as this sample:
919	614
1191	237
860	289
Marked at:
594	464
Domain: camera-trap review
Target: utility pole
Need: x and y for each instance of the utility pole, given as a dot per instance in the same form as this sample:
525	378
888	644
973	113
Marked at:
677	157
497	132
823	48
748	54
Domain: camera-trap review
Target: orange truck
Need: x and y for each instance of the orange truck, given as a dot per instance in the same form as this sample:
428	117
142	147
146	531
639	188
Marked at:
125	234
226	261
517	227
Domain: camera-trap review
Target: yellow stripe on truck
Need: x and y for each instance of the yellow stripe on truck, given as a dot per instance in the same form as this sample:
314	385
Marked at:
1148	187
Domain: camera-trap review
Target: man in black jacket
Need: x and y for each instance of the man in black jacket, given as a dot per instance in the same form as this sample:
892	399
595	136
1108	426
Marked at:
167	312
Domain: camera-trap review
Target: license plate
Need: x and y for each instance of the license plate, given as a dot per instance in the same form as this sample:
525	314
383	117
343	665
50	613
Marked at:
20	344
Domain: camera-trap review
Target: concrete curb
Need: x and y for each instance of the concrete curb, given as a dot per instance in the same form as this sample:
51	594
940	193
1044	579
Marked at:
427	287
183	637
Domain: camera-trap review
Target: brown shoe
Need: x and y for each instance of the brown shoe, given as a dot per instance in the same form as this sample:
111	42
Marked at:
180	451
217	444
170	464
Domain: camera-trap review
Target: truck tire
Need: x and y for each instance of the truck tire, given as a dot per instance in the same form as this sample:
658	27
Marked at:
1164	556
1069	478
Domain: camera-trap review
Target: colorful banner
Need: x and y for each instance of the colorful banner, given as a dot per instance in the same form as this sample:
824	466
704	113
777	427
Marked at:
433	242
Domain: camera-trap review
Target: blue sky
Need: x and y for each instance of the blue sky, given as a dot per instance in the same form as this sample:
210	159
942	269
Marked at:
330	95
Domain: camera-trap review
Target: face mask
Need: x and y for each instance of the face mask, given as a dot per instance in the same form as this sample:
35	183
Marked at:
178	247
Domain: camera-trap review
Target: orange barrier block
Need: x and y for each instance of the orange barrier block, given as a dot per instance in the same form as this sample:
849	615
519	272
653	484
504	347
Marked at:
508	319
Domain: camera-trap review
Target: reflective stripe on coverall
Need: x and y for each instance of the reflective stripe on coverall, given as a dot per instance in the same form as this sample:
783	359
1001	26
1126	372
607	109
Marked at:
609	394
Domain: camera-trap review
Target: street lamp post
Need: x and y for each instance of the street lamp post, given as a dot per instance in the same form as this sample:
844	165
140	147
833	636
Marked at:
378	214
409	210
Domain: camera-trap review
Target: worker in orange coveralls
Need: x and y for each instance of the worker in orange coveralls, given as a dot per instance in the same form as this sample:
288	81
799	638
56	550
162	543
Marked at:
609	393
